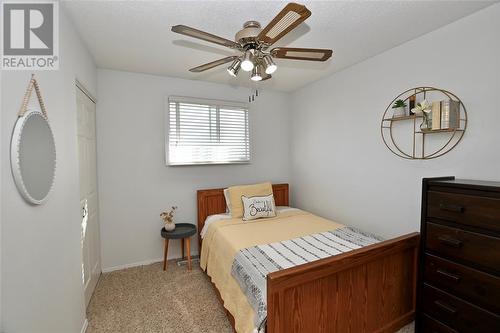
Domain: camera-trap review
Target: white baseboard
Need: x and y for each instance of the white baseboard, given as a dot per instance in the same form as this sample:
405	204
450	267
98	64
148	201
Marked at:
135	264
85	325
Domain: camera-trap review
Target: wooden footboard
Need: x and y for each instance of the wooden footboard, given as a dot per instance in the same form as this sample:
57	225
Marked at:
372	289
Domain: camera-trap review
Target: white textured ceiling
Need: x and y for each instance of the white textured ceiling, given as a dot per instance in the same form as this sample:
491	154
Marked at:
135	35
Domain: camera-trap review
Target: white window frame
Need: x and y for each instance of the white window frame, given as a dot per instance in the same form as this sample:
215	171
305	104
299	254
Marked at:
204	101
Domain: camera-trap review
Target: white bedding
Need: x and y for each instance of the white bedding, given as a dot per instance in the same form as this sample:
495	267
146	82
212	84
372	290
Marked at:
217	217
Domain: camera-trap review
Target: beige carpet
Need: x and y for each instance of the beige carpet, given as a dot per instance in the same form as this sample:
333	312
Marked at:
148	300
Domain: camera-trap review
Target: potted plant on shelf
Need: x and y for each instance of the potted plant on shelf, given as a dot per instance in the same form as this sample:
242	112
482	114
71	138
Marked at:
168	219
424	109
399	108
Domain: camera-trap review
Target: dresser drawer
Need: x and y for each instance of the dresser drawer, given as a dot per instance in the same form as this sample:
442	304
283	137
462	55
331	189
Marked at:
458	314
430	325
470	210
477	249
477	287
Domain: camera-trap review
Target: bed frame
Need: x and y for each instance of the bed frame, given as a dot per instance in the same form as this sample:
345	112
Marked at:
372	289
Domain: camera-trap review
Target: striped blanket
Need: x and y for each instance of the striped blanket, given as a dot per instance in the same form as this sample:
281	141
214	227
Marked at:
251	265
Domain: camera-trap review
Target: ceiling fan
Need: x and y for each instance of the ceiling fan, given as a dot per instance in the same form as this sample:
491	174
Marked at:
254	42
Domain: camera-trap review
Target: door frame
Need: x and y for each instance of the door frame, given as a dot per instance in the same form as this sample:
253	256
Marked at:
84	90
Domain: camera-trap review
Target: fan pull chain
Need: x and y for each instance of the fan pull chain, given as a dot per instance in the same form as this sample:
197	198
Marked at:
251	98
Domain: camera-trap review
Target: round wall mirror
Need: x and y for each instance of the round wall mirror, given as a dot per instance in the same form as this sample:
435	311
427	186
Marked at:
33	156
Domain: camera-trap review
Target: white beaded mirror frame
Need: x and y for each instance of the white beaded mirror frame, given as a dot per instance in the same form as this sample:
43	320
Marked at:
33	153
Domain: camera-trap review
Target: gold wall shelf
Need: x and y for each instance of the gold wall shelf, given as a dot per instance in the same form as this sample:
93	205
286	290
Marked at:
444	140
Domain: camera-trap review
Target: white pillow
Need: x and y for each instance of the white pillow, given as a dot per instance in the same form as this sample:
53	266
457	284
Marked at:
228	202
257	207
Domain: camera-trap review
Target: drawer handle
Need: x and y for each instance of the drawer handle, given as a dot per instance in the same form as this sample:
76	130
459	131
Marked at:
446	307
448	275
451	208
450	241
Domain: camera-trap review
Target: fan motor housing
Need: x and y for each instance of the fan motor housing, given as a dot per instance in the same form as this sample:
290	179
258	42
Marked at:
249	33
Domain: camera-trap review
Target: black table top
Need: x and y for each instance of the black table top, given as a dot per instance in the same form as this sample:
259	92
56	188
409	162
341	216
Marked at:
182	230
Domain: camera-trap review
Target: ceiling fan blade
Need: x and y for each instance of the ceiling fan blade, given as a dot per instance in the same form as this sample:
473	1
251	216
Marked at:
213	64
301	53
195	33
291	16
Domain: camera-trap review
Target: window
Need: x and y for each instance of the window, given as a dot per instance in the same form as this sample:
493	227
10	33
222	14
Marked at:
202	131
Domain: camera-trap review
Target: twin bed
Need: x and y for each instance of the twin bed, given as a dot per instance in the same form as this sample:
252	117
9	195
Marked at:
297	272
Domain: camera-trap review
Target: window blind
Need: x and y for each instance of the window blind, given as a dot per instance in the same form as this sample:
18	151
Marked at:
207	132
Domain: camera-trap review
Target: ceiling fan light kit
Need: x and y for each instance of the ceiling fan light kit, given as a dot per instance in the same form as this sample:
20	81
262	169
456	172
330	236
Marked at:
234	68
247	63
269	64
253	44
257	73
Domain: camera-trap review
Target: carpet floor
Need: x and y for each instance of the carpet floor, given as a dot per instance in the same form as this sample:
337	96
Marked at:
146	299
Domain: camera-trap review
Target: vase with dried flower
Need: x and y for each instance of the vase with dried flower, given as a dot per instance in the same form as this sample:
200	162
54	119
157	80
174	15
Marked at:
423	108
168	218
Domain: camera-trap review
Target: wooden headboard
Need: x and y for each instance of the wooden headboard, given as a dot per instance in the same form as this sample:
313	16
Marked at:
212	202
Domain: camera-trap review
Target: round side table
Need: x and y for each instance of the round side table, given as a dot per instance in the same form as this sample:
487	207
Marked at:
182	231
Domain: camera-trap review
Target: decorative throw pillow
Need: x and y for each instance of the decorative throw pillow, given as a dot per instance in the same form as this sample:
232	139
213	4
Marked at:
258	207
228	201
236	192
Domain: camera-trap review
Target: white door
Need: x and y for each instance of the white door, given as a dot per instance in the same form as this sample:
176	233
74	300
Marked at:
91	265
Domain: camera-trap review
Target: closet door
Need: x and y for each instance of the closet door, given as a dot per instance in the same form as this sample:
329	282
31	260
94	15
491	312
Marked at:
91	265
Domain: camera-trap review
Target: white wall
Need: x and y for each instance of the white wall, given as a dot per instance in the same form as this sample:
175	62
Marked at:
41	255
135	185
340	166
1	214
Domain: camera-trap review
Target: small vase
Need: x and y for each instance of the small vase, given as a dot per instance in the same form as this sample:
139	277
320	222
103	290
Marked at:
169	226
426	124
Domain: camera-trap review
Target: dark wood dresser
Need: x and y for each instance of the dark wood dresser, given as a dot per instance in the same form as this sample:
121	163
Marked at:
459	275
